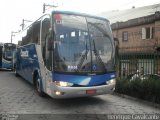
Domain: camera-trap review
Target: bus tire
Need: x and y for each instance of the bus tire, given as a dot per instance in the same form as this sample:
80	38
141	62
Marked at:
38	87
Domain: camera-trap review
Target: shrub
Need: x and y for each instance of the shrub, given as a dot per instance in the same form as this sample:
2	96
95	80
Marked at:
156	91
147	89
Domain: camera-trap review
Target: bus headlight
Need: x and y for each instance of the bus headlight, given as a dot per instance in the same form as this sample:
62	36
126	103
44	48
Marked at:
63	84
112	81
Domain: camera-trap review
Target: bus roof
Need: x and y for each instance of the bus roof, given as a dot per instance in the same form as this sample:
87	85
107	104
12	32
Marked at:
77	13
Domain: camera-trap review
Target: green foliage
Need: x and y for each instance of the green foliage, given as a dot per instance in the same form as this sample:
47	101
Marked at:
147	89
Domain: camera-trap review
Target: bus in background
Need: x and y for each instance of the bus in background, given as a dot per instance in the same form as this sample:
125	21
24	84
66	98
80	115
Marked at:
6	55
67	54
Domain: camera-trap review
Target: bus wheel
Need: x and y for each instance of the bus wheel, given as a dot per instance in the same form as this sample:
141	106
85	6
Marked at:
38	87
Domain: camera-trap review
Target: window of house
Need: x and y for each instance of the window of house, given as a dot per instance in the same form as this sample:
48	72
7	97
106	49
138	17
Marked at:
147	33
125	36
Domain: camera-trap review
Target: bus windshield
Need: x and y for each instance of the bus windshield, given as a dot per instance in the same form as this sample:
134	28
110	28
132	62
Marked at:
8	50
83	44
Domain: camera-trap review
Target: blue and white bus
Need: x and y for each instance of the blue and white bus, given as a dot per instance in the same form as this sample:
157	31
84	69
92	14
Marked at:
6	55
67	54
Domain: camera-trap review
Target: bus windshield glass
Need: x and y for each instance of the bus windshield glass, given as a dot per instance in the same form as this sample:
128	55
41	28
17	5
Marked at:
82	44
8	50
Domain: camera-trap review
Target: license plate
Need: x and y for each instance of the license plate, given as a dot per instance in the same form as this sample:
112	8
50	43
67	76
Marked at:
90	91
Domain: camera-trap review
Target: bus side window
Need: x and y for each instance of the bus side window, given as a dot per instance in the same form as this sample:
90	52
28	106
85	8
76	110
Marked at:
49	48
45	38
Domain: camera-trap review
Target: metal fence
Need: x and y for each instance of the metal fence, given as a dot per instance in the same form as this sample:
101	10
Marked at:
137	60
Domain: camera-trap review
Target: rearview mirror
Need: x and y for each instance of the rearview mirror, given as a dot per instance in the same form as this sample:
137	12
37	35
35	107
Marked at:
158	49
49	43
116	41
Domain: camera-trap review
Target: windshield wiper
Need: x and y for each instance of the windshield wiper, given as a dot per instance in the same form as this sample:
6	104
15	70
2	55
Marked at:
95	51
97	55
82	58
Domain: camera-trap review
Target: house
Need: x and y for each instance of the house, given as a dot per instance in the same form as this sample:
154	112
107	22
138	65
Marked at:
138	32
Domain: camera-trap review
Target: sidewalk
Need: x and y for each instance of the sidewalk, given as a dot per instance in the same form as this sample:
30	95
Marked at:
139	100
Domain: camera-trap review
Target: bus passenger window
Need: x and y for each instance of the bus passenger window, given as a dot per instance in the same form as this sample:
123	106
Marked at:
73	34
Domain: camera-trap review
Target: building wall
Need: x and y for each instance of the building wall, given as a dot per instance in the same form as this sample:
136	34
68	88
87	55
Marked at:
157	31
135	41
134	36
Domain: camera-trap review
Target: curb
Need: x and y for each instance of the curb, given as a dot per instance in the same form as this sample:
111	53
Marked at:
137	99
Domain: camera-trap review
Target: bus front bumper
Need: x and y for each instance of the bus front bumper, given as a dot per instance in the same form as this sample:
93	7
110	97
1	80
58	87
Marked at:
71	92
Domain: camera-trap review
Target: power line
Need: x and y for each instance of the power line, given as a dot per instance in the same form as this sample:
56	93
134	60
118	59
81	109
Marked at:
23	24
47	5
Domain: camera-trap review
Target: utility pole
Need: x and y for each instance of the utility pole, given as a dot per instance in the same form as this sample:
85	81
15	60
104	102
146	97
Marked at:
23	24
13	34
47	5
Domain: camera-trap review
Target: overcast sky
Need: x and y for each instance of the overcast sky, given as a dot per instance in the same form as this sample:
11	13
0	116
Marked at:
13	11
